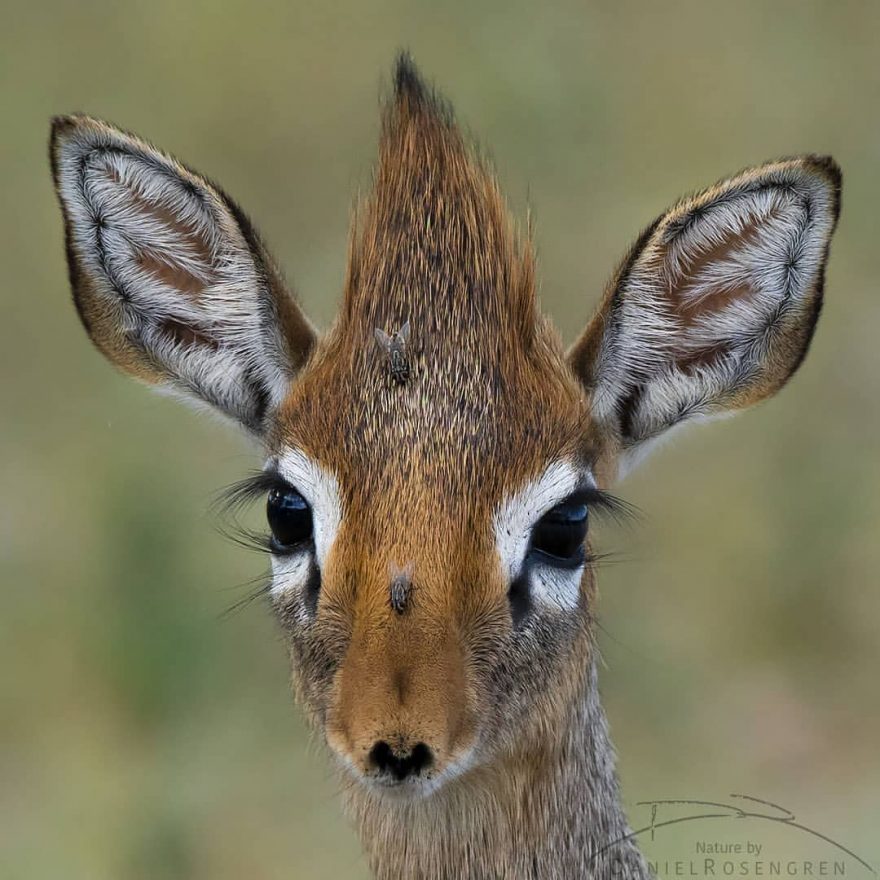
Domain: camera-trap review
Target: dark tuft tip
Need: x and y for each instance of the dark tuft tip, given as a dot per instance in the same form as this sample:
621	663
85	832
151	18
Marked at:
62	129
414	97
826	166
60	126
63	124
407	79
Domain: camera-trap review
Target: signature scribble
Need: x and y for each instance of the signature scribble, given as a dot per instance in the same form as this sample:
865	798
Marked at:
719	810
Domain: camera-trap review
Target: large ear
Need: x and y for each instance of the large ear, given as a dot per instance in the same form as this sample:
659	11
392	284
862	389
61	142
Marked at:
170	280
715	305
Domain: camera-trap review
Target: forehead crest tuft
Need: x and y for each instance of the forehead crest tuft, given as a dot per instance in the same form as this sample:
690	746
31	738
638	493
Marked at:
434	243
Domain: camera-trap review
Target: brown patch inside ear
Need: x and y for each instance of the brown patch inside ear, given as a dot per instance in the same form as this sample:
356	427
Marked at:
690	363
175	277
166	271
186	335
690	309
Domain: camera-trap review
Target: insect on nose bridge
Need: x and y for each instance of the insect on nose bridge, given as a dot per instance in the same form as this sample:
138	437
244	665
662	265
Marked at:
400	591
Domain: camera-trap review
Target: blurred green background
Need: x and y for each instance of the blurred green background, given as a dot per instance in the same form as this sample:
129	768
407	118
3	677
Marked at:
143	734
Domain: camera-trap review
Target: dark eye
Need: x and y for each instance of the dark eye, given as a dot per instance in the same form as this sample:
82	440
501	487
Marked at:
290	519
558	537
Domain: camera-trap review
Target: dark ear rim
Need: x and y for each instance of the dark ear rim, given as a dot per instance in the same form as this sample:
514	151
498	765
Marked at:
60	125
827	166
299	333
582	356
274	307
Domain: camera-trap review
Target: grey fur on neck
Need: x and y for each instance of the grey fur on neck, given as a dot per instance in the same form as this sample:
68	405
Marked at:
553	813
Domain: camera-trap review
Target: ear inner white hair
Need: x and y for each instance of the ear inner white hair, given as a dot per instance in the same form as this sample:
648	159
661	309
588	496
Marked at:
716	305
513	523
320	489
165	269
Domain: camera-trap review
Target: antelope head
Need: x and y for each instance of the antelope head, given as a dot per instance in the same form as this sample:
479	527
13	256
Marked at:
434	459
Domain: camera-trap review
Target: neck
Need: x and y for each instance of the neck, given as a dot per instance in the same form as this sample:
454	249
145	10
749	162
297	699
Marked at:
545	812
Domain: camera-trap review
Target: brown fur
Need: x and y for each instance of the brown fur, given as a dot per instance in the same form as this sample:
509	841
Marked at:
435	248
422	465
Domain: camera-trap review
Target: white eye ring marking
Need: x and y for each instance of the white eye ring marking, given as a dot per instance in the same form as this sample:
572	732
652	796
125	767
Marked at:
513	523
320	489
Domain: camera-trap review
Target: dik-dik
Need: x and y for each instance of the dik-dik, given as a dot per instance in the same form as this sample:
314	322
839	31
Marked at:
434	459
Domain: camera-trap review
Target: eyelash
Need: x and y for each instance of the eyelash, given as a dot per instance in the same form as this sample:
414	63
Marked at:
232	502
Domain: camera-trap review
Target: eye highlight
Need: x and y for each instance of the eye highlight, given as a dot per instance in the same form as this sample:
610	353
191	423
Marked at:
290	519
559	537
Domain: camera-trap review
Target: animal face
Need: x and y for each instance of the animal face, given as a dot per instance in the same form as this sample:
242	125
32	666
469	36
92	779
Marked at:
453	597
434	460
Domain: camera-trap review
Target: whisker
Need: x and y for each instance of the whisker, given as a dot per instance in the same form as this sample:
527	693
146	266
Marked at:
230	504
620	511
264	584
611	557
245	537
236	496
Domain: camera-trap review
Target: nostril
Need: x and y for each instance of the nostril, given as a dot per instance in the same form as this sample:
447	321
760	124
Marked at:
420	758
381	756
400	763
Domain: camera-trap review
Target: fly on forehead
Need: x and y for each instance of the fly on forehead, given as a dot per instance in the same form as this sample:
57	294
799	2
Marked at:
395	347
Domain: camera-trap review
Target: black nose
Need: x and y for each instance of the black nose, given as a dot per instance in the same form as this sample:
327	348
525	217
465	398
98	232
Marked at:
400	763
